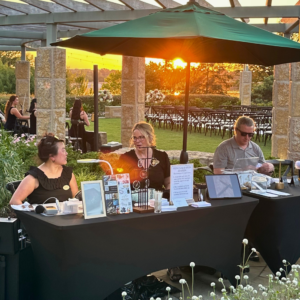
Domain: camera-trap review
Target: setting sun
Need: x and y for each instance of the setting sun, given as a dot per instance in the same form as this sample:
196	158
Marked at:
178	63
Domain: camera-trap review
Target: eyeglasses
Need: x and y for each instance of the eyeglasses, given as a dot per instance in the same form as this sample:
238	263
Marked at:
136	138
250	134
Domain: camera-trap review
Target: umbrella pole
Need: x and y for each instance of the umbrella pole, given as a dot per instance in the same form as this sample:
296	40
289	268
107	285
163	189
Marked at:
184	156
96	120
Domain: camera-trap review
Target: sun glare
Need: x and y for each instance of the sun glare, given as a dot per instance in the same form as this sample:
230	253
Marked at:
178	63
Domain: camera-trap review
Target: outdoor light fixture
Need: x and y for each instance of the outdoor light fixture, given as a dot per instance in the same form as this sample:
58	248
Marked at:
94	161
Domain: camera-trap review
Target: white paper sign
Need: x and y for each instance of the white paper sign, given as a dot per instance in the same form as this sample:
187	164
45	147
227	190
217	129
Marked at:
182	177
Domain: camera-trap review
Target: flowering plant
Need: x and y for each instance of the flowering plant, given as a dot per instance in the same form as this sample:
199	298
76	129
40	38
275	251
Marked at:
155	96
105	95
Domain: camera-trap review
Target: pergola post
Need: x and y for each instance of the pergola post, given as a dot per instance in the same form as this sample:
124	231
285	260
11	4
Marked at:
133	95
245	86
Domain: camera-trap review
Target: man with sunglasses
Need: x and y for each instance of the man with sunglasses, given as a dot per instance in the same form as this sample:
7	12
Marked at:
239	146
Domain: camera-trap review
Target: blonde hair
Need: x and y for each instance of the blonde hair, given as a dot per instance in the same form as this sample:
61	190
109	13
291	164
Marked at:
244	120
148	132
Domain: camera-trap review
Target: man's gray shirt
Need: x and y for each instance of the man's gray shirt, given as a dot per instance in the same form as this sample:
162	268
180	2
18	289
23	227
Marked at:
229	151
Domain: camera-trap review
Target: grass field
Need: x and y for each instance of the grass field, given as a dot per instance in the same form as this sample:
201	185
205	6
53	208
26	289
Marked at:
171	140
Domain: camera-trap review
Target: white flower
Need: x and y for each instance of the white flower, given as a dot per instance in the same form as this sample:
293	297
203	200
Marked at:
222	298
254	291
278	274
124	294
200	296
152	298
253	250
281	270
168	289
283	279
194	298
212	284
182	281
294	267
246	277
237	277
271	276
260	285
241	286
192	264
231	287
284	261
223	290
245	241
158	298
212	294
220	279
276	277
264	294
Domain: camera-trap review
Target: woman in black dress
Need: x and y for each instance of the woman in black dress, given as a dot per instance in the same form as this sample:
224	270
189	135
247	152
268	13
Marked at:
79	118
12	114
135	161
32	111
51	179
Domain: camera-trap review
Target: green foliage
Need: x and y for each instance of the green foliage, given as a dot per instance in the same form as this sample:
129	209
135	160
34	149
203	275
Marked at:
7	79
212	101
113	82
262	93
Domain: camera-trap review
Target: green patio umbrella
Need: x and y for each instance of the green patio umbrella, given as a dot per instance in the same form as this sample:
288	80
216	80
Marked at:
194	34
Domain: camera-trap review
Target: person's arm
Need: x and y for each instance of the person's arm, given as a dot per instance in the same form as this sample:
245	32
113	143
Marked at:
167	183
34	113
220	160
85	119
15	112
218	170
73	185
26	187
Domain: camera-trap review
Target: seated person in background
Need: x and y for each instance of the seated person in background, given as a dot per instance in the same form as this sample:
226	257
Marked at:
32	111
78	114
12	113
51	179
135	160
239	146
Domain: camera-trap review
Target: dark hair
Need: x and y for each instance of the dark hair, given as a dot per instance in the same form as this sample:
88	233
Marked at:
77	108
48	146
8	105
32	106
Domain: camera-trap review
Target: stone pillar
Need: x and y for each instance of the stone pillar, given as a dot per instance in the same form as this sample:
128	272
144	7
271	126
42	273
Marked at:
133	95
245	87
280	119
51	91
293	151
23	84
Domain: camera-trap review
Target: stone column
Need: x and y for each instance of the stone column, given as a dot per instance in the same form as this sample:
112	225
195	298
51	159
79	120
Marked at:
51	91
23	84
293	151
133	95
245	87
280	119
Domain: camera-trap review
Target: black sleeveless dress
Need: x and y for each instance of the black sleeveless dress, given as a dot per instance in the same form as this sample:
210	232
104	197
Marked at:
10	122
50	187
32	129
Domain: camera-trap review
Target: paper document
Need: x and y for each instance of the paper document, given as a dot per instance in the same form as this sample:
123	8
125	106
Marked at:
180	202
200	204
264	194
278	192
23	207
168	208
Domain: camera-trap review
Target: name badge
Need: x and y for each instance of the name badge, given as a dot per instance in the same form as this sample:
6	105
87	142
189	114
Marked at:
66	187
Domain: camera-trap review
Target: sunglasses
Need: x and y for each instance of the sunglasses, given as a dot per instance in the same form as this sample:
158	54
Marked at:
250	134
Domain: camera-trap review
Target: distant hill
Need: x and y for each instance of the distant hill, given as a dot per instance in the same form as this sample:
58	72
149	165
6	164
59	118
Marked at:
102	73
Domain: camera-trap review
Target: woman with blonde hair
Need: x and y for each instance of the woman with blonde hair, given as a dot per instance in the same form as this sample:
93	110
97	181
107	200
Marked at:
144	156
12	113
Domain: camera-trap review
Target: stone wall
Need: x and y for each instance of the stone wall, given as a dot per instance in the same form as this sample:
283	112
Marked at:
245	87
51	91
133	95
280	119
113	112
22	72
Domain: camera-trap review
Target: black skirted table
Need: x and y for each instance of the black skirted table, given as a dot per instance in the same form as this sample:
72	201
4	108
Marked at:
90	259
274	227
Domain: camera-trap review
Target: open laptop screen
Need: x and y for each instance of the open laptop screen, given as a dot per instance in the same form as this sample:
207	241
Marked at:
223	186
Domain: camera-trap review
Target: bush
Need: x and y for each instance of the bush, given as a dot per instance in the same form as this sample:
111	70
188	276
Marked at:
206	100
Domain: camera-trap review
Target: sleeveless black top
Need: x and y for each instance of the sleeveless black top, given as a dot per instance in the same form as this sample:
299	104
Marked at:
50	187
32	129
81	130
10	122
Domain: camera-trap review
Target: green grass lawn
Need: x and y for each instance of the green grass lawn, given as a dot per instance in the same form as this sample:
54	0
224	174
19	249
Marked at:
172	140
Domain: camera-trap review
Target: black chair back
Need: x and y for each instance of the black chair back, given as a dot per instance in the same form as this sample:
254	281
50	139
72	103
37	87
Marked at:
12	186
287	162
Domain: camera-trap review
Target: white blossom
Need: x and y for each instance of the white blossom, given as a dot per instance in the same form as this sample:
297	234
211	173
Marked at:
220	279
284	261
254	291
264	294
241	286
223	290
194	298
212	284
283	279
246	277
200	296
278	274
281	270
192	264
168	289
237	277
182	281
231	287
212	294
245	241
271	276
294	267
124	294
253	250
